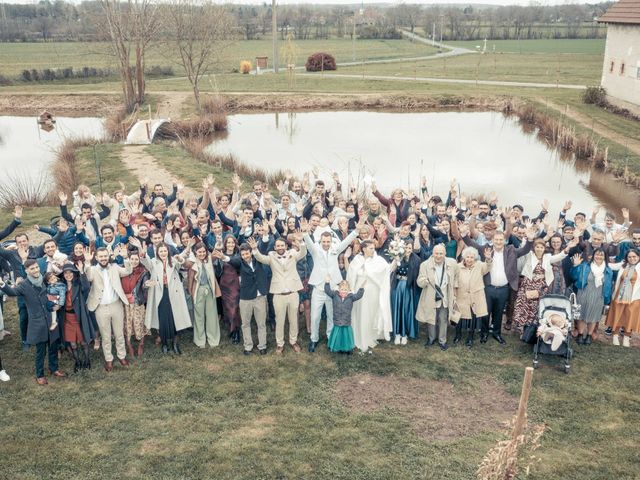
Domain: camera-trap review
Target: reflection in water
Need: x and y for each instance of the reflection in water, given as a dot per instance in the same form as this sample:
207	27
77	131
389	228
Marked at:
26	148
485	151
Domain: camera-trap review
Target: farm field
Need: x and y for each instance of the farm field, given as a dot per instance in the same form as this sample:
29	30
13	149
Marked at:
14	57
593	46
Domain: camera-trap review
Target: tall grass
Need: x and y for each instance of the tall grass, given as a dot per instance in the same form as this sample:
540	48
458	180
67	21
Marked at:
65	167
197	148
20	188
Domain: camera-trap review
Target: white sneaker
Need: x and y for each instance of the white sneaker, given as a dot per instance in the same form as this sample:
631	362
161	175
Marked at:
4	377
397	340
403	340
626	341
616	340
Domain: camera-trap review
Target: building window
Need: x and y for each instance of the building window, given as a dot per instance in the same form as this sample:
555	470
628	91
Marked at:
611	65
622	68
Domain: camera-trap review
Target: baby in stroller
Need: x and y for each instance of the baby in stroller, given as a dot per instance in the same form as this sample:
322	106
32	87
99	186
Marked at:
553	328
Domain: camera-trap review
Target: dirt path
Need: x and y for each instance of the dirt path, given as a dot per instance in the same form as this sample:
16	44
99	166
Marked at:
171	104
144	166
598	127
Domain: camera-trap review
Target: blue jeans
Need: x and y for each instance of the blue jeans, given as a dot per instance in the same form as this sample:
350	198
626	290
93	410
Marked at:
41	351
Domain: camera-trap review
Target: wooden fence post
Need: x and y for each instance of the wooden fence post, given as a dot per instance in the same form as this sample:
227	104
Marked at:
521	417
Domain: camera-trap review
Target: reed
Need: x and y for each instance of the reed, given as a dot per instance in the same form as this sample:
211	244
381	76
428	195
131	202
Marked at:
20	188
64	169
118	125
197	148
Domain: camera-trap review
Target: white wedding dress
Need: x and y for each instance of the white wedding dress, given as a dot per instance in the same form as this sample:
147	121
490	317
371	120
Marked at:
371	315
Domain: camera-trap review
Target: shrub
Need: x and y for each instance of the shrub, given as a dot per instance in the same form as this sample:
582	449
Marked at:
5	81
35	75
26	75
595	95
378	32
320	61
67	72
245	66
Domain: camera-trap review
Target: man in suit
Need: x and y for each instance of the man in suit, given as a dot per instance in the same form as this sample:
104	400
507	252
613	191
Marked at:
254	288
502	276
52	260
285	284
107	300
34	293
325	262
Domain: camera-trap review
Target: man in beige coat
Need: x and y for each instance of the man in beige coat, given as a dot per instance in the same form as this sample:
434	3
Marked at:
285	284
107	300
438	278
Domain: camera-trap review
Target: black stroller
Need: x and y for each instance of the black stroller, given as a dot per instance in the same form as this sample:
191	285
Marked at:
564	306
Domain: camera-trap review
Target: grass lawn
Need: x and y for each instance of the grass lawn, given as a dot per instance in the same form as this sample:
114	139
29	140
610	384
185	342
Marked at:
216	413
594	46
14	57
581	69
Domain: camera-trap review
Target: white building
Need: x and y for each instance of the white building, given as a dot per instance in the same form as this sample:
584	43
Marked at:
621	70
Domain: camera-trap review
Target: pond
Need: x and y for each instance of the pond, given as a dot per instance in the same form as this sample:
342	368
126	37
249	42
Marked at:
484	151
26	149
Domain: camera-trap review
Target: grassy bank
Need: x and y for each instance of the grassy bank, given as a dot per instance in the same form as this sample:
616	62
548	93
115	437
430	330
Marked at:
216	412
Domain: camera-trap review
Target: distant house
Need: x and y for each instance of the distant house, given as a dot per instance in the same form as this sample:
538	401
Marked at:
621	70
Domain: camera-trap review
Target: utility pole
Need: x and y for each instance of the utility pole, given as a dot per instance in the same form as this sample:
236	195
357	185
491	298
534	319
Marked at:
441	26
353	37
274	33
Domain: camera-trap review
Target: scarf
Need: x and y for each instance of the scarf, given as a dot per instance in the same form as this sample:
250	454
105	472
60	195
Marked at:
598	273
36	282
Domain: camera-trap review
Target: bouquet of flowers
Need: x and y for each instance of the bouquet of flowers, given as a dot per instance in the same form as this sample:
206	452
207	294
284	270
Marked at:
396	250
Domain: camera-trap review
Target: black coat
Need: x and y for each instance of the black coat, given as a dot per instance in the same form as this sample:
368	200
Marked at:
79	291
251	281
35	300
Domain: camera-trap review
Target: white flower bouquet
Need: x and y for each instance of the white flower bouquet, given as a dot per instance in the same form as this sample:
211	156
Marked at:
396	250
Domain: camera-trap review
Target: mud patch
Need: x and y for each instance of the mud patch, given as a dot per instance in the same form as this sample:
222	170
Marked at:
434	409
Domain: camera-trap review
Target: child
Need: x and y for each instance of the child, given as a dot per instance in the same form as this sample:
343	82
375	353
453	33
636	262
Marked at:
56	294
553	329
341	338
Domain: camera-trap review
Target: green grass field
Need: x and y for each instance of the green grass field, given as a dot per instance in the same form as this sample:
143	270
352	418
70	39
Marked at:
588	46
215	413
14	57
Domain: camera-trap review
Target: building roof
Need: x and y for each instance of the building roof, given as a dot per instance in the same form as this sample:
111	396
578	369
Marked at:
624	11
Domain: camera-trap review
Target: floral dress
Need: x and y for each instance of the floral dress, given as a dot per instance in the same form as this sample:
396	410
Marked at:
526	309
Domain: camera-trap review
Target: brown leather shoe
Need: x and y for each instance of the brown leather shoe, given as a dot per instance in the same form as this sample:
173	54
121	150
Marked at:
279	350
59	374
108	366
41	381
296	348
124	362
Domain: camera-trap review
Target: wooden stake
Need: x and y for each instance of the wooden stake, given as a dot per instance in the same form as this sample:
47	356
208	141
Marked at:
521	417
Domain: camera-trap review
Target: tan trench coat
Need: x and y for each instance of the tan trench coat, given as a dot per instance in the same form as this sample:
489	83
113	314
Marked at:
470	296
426	312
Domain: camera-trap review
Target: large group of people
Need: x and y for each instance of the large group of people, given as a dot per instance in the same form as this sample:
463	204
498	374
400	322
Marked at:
126	268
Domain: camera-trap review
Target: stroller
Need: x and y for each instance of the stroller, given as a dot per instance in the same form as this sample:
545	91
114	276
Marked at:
563	306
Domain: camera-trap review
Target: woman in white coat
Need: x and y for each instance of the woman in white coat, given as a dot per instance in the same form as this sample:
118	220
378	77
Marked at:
371	316
167	308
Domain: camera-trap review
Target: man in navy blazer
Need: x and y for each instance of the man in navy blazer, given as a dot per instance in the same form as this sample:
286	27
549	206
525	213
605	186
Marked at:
254	288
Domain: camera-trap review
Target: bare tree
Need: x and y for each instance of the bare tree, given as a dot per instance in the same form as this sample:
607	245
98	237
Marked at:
200	32
130	25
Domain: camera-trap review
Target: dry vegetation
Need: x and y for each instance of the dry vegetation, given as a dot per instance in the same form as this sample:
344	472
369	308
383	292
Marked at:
65	171
20	188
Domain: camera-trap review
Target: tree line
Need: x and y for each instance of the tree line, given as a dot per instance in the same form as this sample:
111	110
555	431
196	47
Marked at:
65	21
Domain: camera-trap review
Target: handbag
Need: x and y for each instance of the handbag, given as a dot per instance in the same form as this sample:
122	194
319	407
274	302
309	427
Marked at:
455	314
530	333
576	308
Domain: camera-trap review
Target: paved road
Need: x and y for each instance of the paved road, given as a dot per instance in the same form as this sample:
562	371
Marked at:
451	50
450	80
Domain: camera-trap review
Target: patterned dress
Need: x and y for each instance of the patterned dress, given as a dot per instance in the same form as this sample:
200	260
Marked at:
229	283
526	310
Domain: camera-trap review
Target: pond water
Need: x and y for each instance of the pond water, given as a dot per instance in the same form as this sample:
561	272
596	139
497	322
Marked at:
26	149
484	151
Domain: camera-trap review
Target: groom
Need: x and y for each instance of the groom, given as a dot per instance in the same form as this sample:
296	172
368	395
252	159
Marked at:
325	262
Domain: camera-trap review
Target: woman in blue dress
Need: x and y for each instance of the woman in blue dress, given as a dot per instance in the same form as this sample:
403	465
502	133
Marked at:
405	295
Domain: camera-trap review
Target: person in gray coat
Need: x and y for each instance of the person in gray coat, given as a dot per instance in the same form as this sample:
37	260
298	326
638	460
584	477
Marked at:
34	293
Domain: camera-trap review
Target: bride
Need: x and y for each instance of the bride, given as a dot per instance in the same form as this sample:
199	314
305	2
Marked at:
371	316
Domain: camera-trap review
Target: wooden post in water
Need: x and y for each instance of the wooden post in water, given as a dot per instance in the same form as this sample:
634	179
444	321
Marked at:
521	417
